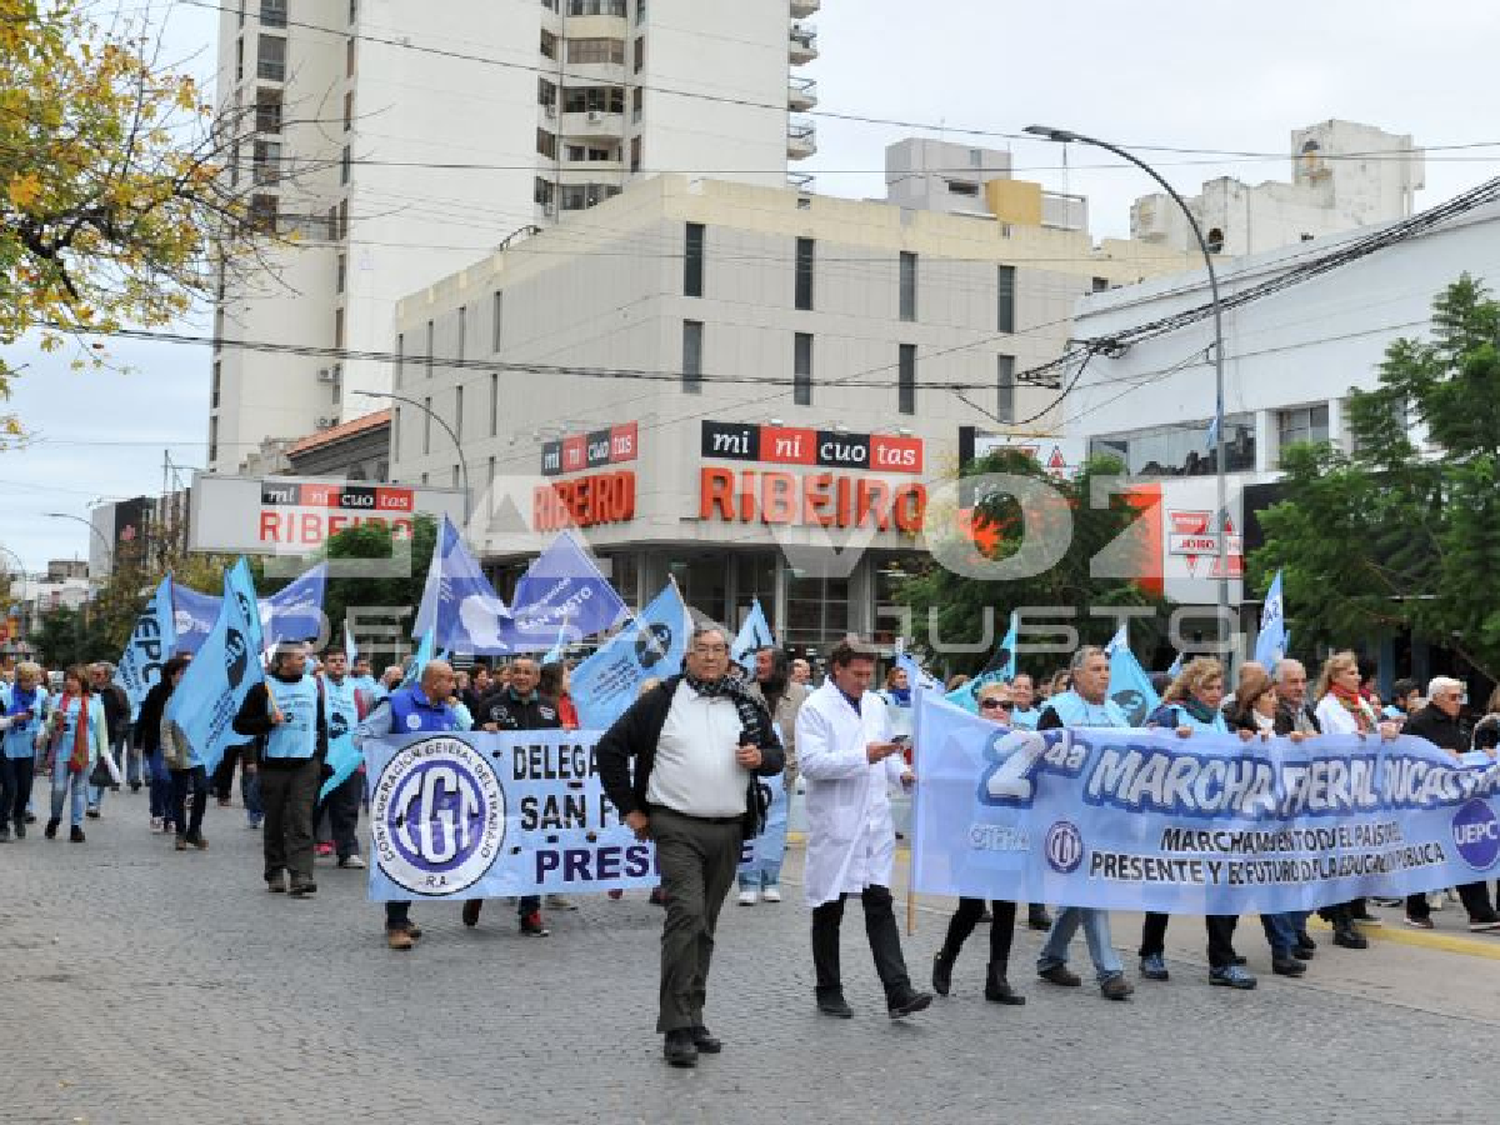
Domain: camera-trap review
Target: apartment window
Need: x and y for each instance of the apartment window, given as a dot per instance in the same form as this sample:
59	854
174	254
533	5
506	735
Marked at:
354	15
343	218
348	110
596	51
338	383
574	153
550	5
427	425
546	92
1302	423
906	382
594	99
239	58
577	197
546	144
692	266
692	356
263	210
266	162
338	328
494	407
640	54
344	165
213	397
400	357
242	13
1099	285
802	360
273	13
549	45
635	154
1005	388
270	58
497	320
267	110
463	330
349	57
458	412
963	187
596	7
908	286
1005	314
213	439
640	11
542	193
637	103
804	272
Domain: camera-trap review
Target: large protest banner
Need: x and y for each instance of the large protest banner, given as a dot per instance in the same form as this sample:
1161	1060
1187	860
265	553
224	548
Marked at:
481	815
1145	820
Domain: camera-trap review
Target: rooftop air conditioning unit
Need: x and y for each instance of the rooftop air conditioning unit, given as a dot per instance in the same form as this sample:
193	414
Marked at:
595	115
327	422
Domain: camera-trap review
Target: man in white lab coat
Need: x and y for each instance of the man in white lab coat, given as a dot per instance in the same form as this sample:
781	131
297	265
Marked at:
849	763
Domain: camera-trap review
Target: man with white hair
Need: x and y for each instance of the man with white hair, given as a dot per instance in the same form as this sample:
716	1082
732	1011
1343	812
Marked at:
1439	724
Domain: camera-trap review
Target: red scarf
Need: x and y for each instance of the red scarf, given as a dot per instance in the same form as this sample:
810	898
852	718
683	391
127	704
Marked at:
1355	704
78	760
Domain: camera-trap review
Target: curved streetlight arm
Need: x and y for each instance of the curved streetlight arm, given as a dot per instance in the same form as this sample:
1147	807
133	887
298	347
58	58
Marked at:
1066	136
463	462
109	553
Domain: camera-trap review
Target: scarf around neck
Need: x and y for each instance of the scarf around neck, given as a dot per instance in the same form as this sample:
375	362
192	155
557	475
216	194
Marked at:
22	702
1199	710
78	757
731	689
1355	704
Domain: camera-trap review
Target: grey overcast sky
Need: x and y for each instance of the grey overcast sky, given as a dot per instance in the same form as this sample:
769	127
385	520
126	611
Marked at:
1211	75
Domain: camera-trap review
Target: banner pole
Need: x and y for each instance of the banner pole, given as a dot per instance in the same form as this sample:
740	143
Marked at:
911	894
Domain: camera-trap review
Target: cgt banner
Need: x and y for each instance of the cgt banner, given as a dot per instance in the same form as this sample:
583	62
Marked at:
1145	820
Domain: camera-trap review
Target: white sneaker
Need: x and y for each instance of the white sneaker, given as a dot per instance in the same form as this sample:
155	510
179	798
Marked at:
352	862
747	898
1436	900
771	894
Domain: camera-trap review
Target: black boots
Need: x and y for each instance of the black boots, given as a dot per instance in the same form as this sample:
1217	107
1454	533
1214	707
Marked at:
998	989
942	973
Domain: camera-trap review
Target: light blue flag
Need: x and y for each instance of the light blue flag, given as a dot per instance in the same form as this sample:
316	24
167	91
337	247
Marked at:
562	588
1129	685
916	676
459	606
1001	669
227	666
152	642
754	635
1211	437
294	613
420	659
1270	646
558	652
1175	669
651	647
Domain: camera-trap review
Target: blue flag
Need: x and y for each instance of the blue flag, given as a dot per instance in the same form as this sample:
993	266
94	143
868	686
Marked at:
916	677
459	606
294	613
152	642
227	666
755	634
558	651
1001	669
420	659
651	647
1129	686
561	589
1271	645
1176	668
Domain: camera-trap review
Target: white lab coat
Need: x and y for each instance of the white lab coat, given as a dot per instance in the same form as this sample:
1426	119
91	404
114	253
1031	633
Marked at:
851	842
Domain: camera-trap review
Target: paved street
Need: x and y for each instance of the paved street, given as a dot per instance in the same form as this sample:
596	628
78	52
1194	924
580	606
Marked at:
146	985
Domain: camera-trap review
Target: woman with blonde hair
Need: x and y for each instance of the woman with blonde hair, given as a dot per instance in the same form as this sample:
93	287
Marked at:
20	738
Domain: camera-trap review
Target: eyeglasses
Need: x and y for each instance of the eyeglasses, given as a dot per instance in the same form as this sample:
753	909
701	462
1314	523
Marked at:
991	704
710	650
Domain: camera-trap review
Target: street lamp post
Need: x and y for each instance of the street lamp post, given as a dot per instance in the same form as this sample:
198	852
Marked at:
1064	136
463	461
109	552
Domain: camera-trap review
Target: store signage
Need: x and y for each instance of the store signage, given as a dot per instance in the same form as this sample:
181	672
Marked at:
815	500
584	502
830	449
291	516
592	450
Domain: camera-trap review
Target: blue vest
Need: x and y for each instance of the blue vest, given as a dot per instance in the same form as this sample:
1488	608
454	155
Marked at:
341	713
412	713
297	737
1076	711
20	736
1026	719
1176	715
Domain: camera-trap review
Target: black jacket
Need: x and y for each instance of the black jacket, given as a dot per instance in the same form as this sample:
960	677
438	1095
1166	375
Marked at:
147	737
254	719
635	735
508	711
116	710
1286	718
1438	728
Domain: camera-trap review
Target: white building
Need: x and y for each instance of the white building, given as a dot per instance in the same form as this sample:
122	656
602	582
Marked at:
1344	175
1290	361
748	388
395	147
954	179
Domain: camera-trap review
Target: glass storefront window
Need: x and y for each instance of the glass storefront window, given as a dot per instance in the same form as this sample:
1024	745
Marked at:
755	578
817	611
1182	450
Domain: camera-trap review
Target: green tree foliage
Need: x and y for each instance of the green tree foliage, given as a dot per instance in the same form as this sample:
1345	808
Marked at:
401	591
1397	537
951	609
64	637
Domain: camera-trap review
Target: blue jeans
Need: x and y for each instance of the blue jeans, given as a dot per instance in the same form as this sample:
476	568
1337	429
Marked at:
1095	925
161	786
64	783
96	796
1281	931
768	874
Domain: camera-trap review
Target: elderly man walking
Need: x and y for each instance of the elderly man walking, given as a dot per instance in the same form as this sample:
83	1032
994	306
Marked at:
697	741
850	761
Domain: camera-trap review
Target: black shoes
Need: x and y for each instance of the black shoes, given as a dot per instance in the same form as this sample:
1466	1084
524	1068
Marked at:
303	888
1350	938
1037	918
1305	944
1116	988
471	911
705	1041
1061	974
678	1048
51	830
911	1003
75	835
942	974
834	1004
1287	967
998	989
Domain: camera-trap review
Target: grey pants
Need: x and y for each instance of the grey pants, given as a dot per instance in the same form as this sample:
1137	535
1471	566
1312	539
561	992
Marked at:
288	794
698	859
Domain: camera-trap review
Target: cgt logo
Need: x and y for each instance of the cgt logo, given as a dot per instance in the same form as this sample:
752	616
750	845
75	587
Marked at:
1064	847
1476	834
652	644
236	658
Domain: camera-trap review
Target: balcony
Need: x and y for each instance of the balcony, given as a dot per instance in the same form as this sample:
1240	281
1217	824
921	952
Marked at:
594	124
803	43
801	9
801	140
801	94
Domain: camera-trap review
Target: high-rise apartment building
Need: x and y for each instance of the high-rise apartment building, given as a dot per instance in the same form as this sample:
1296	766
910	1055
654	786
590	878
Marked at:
390	142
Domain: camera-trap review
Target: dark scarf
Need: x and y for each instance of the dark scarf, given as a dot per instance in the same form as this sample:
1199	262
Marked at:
22	702
901	695
1198	709
733	690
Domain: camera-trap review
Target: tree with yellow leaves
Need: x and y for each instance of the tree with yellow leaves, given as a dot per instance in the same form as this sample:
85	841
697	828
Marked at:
112	209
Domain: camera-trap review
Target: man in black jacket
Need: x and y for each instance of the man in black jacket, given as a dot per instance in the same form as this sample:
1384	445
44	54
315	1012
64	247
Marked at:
698	741
116	725
1440	725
